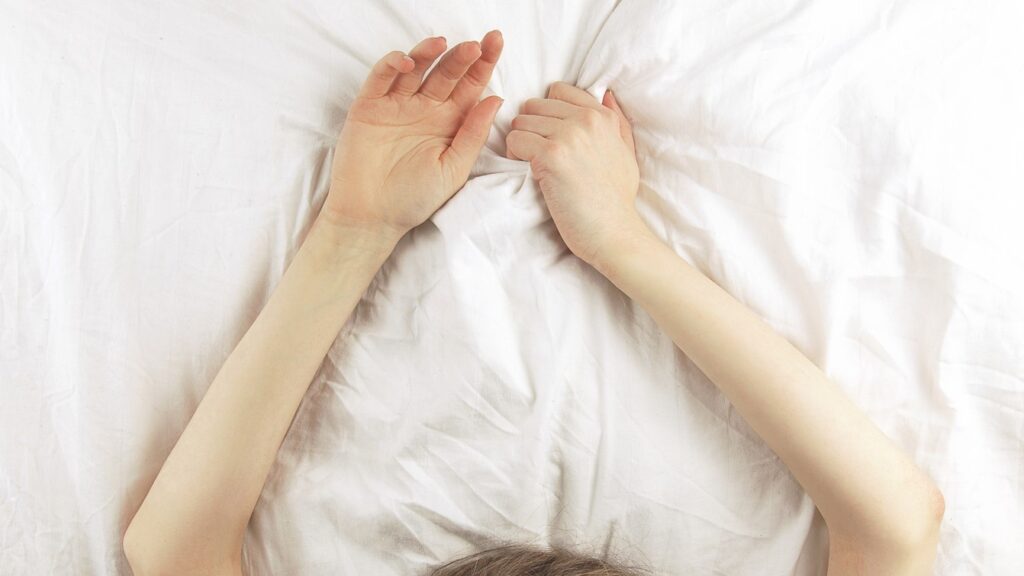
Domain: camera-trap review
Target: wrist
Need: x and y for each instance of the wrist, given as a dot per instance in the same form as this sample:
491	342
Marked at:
634	243
345	219
338	243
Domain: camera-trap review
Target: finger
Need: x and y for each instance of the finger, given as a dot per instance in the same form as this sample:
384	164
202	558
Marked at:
471	137
573	95
383	73
625	129
543	125
552	108
523	145
467	92
449	70
423	55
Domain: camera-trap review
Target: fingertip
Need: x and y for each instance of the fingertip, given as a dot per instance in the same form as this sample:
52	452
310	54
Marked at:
492	104
493	38
399	61
437	45
612	102
495	46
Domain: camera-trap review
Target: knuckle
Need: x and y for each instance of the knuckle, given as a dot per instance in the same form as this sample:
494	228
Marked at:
449	73
567	92
475	78
577	131
555	151
591	117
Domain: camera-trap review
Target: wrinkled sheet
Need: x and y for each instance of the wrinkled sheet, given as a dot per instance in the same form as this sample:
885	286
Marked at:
852	171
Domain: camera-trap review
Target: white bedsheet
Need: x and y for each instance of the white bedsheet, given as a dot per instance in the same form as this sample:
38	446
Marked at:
850	170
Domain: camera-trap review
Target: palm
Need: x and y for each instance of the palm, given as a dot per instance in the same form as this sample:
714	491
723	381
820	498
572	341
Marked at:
409	136
407	146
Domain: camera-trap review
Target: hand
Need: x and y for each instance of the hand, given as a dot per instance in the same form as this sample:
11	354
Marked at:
582	154
408	143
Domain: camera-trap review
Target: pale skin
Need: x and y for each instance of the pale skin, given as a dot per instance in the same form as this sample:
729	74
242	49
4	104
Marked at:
407	146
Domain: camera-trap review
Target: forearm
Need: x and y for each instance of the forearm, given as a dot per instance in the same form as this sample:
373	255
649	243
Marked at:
861	482
201	501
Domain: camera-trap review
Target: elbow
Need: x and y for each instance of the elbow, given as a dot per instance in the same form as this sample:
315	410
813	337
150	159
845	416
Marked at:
149	554
918	528
132	548
137	553
937	504
933	508
902	538
140	554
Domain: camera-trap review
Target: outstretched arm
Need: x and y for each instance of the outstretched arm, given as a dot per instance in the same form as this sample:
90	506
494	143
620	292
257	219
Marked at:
407	145
882	512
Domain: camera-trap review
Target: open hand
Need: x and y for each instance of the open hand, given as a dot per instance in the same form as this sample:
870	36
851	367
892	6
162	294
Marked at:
581	151
409	143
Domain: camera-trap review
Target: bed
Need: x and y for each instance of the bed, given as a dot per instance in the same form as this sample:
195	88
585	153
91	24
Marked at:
852	171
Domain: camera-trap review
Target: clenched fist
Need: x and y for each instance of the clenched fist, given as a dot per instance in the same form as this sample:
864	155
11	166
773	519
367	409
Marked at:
582	154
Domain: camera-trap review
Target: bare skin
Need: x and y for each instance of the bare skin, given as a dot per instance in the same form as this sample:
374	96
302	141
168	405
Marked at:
407	146
882	512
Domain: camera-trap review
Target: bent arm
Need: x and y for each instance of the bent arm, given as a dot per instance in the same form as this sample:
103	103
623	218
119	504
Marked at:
193	520
882	512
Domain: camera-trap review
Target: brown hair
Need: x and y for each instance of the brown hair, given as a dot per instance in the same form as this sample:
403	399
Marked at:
528	561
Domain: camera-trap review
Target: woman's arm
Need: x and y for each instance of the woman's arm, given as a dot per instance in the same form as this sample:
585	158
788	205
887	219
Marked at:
882	512
194	517
407	145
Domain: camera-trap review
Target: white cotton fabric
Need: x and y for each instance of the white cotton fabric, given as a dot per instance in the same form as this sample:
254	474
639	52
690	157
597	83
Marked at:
852	171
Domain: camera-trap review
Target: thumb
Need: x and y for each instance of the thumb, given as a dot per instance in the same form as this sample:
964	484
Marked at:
625	130
470	138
